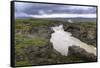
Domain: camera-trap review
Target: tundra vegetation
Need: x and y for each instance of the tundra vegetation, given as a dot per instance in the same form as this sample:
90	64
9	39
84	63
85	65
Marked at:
33	47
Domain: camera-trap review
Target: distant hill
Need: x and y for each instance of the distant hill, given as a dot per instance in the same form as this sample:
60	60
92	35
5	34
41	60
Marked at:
66	19
73	19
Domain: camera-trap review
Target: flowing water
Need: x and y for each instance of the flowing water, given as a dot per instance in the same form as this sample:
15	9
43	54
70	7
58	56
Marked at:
61	41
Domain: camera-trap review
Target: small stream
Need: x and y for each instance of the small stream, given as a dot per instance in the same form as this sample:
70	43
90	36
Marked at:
61	41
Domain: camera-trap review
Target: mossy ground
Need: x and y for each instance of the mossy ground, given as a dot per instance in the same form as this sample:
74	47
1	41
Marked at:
32	37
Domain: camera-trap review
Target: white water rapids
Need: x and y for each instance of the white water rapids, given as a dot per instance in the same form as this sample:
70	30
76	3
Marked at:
61	41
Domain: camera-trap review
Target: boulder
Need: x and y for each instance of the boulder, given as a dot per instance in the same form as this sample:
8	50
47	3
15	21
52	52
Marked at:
81	53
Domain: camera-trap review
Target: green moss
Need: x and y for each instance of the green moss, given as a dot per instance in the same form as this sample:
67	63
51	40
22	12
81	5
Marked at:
36	41
35	22
22	63
23	42
87	25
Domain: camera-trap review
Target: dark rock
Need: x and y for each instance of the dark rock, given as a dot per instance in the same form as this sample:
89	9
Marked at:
87	35
19	57
72	28
79	52
33	30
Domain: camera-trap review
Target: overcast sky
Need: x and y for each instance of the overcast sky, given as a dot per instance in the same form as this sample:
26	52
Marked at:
37	10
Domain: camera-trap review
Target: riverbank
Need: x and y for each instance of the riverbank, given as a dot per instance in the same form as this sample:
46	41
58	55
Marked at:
33	47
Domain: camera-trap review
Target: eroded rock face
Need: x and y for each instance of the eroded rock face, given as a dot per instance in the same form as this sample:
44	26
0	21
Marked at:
87	35
79	52
39	55
48	55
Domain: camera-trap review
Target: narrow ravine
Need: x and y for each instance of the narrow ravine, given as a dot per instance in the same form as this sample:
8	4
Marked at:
61	41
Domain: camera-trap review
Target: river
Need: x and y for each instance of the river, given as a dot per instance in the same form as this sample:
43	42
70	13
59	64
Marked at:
61	41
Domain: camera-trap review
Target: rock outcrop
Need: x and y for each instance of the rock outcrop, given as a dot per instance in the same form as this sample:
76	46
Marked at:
48	55
79	52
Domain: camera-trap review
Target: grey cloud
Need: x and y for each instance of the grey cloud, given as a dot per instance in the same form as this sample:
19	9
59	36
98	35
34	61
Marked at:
35	8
